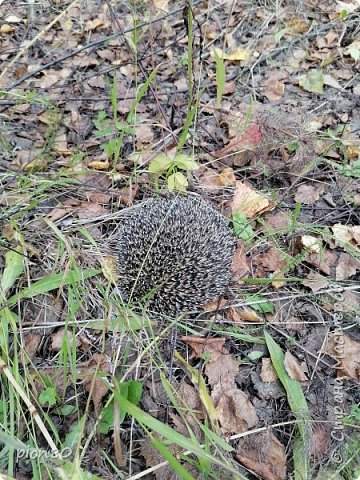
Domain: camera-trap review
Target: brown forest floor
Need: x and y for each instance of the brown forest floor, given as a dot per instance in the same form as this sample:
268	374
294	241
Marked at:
277	148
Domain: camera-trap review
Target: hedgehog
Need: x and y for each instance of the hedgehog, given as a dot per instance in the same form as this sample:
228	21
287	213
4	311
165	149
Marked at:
175	254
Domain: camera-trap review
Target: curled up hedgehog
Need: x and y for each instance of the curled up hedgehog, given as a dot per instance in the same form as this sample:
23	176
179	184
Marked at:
175	254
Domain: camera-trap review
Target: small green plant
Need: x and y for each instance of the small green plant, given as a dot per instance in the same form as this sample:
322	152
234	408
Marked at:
172	170
242	228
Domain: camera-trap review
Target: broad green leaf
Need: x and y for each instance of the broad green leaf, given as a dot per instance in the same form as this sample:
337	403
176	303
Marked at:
52	282
263	307
48	397
255	355
14	266
298	406
160	164
184	162
220	78
177	181
242	227
313	82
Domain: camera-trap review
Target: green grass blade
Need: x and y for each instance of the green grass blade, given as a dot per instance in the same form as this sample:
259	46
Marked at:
175	465
52	282
298	406
14	266
220	78
171	435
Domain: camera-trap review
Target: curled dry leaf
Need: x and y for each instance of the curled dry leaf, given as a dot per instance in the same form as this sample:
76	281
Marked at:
296	370
227	177
274	90
272	260
127	194
263	454
346	352
99	164
240	315
247	201
313	244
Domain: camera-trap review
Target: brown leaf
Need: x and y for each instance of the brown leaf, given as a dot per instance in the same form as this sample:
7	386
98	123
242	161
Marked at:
109	268
201	345
99	164
30	346
267	373
58	338
247	201
263	454
315	282
274	90
127	194
277	220
272	260
346	352
95	385
244	141
323	260
295	370
227	177
347	266
306	194
243	314
240	267
234	410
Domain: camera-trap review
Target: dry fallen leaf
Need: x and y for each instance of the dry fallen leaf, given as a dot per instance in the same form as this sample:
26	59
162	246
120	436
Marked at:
294	369
346	352
201	345
235	55
58	339
263	454
234	410
267	373
347	266
245	314
109	268
307	194
247	201
272	260
313	244
239	266
227	177
274	90
243	141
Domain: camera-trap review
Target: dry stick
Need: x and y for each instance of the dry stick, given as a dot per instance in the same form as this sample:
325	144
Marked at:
5	369
39	35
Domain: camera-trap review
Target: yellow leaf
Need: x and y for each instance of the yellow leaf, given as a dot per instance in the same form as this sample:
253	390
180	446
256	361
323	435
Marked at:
235	55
